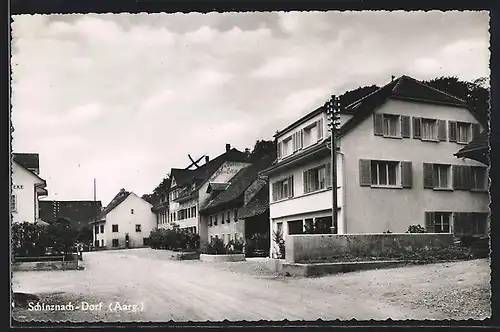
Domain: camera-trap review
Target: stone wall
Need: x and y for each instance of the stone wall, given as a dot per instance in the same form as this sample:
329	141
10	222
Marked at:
45	266
301	248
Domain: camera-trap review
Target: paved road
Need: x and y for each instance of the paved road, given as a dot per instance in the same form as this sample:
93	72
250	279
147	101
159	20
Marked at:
196	291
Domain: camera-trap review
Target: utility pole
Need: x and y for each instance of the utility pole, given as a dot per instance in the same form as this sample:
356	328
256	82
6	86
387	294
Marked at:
95	215
332	111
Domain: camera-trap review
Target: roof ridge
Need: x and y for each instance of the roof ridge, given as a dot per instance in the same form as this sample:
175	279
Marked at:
374	92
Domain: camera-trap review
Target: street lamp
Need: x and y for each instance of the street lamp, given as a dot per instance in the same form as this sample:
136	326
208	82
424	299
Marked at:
332	113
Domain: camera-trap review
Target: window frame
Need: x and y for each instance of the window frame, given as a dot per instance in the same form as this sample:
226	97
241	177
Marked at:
469	132
485	180
13	202
397	120
278	185
115	241
138	229
435	130
436	171
376	164
441	221
313	184
115	229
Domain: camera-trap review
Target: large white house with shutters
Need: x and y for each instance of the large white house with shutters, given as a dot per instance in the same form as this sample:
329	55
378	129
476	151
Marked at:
395	167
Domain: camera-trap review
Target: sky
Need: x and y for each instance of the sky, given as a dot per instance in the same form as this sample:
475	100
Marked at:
123	98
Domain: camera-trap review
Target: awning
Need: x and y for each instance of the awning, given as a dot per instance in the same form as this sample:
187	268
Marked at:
477	149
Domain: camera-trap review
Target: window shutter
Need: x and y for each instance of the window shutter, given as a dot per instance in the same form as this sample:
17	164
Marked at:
294	142
406	174
275	192
306	182
301	142
457	177
442	130
365	173
467	173
378	123
328	174
405	126
280	148
290	183
428	176
476	130
452	128
319	124
417	128
429	222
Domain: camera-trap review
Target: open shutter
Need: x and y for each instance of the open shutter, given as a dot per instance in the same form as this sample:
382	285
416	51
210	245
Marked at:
452	128
280	149
429	222
319	124
405	126
406	174
301	141
290	183
428	176
328	175
306	181
417	128
275	192
476	130
442	130
467	175
458	177
378	123
365	173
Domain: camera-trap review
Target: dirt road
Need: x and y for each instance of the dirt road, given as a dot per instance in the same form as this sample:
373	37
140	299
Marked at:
195	291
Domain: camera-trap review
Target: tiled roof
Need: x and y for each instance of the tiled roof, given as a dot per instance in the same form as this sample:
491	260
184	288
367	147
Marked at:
117	200
402	88
202	174
80	213
238	184
217	186
27	160
258	205
477	149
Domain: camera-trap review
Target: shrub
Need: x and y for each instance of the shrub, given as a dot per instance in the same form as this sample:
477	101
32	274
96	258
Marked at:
215	247
415	229
280	243
235	247
258	241
174	238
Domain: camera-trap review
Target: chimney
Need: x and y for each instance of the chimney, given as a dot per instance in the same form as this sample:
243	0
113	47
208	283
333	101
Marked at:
207	159
228	147
392	77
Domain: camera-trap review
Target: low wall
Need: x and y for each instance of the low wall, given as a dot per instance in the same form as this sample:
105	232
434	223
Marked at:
182	256
222	258
305	247
45	266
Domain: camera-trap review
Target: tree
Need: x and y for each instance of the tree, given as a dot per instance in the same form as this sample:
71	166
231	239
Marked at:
351	96
262	148
85	235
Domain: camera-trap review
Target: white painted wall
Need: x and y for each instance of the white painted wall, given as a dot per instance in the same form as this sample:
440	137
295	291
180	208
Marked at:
126	221
377	210
23	186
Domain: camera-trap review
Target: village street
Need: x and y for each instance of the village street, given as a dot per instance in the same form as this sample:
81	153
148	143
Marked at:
195	291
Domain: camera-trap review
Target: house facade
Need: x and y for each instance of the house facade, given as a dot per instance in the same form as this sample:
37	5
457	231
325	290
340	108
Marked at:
27	188
396	167
188	189
220	214
129	214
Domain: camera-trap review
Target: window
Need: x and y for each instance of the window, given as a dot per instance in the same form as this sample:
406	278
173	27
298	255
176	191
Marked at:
470	223
464	132
13	203
131	211
145	241
309	134
391	125
223	237
215	221
438	222
429	129
441	176
114	228
228	219
96	243
102	228
297	140
279	228
315	179
115	243
138	227
96	228
210	221
235	214
479	178
384	173
284	147
283	189
295	227
102	242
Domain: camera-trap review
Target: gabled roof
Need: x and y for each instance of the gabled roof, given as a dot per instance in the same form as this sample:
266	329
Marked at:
403	88
238	184
27	160
117	200
42	181
257	205
80	213
477	149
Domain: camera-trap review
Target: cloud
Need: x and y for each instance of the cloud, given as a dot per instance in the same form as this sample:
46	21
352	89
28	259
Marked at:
124	98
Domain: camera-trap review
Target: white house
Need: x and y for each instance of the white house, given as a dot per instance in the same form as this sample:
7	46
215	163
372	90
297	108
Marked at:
395	166
129	214
27	188
188	190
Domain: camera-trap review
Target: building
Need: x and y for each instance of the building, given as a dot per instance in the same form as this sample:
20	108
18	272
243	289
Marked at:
79	213
129	214
219	214
188	189
395	166
27	188
160	207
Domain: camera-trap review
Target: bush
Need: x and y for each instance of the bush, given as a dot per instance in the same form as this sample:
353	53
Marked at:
215	247
235	247
258	241
174	238
280	242
415	229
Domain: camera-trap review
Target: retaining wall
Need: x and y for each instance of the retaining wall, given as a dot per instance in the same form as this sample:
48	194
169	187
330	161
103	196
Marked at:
306	247
222	258
45	266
